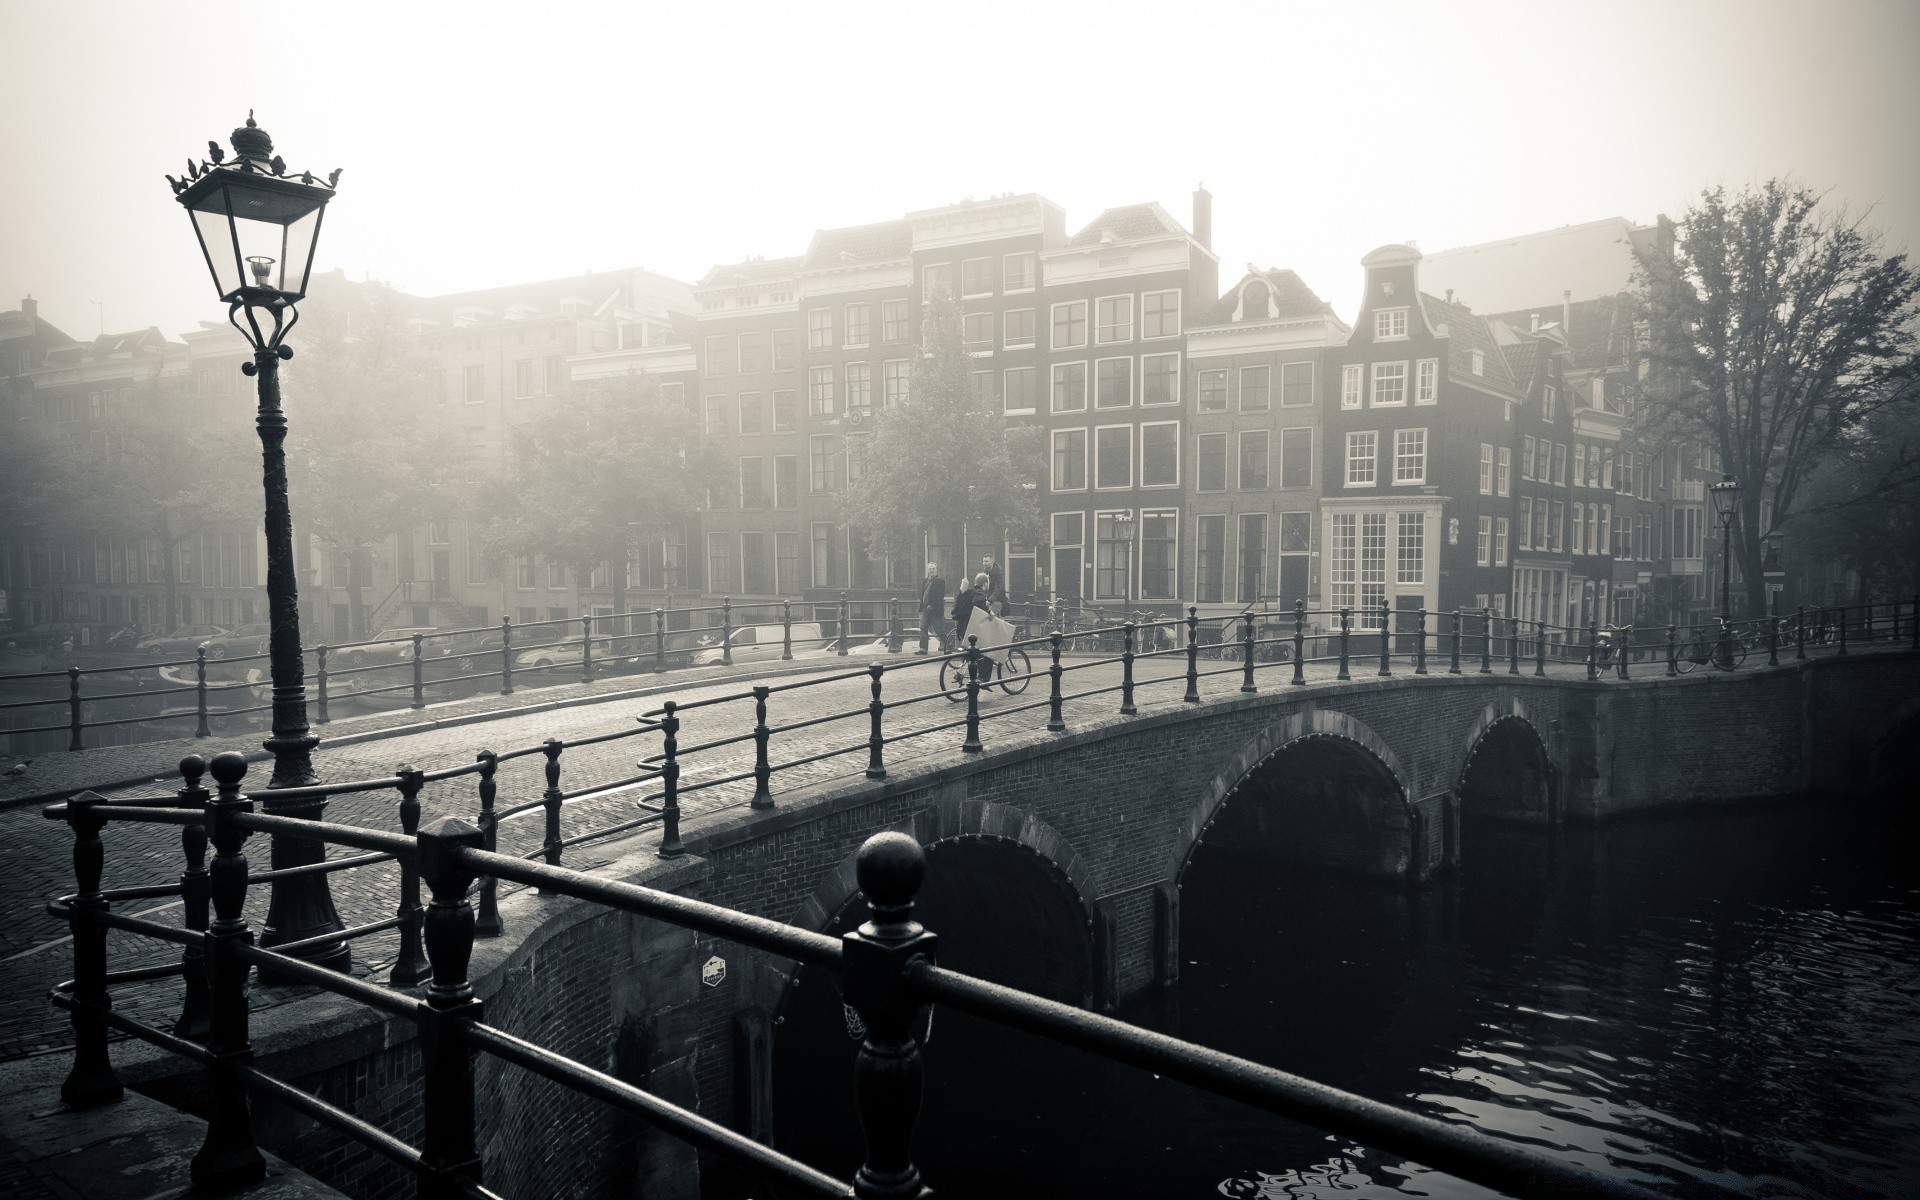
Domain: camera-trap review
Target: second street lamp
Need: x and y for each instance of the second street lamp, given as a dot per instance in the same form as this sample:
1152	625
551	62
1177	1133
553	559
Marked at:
257	227
1726	501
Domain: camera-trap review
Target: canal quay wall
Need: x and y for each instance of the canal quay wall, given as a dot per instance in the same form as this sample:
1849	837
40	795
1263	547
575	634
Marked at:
1108	813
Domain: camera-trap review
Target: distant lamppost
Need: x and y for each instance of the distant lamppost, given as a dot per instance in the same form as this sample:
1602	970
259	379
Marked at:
257	226
1726	497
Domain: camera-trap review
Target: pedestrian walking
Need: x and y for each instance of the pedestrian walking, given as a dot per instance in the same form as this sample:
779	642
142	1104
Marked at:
996	589
933	608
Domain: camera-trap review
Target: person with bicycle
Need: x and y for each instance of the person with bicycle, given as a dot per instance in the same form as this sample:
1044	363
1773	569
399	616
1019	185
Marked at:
972	598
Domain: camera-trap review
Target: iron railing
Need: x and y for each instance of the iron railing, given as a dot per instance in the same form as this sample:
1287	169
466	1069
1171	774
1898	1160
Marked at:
887	969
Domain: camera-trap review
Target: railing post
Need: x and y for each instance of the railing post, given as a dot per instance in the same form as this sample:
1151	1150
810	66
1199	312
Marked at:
762	768
1420	642
1913	628
506	656
410	967
670	846
1773	640
1346	623
200	692
893	625
1056	719
1866	621
1626	648
1800	633
1299	643
1246	653
846	631
447	1149
1193	655
586	647
1593	648
876	769
194	898
1673	649
1486	641
551	800
726	631
887	1072
1453	665
228	1157
320	682
90	1081
1843	629
786	631
419	675
487	923
1539	649
659	639
73	709
1386	640
972	743
1513	645
1126	673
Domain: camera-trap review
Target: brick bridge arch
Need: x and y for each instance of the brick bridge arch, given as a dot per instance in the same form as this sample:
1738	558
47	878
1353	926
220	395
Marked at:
1884	753
1502	752
1304	726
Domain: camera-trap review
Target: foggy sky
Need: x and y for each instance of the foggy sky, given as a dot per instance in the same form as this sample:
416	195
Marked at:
490	144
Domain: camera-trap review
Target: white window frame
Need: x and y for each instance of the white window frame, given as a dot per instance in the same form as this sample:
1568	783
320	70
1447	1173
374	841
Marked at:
1006	340
846	325
1352	383
811	314
1483	543
1226	401
1373	385
1226	462
1086	464
1503	473
1240	393
1093	459
1486	468
1477	360
1005	392
1086	385
1098	340
1409	481
1179	315
888	375
1402	577
927	271
1177	370
1426	387
1280	460
964	263
1372	460
1501	529
1140	547
1032	262
1093	384
1086	324
1133	544
1240	458
1390	325
1313	380
1141	437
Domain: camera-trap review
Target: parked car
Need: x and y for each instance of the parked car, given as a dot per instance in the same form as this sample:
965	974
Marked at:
239	641
389	647
756	643
181	643
567	654
909	644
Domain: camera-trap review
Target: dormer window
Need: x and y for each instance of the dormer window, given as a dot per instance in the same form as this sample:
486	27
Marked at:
1390	323
1478	362
1254	305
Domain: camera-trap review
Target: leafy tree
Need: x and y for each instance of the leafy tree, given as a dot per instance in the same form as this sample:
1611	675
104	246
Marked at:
1775	333
615	465
364	462
1863	504
940	458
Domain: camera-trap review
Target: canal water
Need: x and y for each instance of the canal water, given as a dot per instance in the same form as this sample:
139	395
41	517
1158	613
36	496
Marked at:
1718	997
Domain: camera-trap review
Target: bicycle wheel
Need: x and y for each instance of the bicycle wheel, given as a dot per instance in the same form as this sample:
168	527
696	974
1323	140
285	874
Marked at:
953	678
1690	656
1739	653
1016	673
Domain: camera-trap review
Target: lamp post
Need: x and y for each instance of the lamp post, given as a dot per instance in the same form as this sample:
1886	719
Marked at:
1726	497
257	226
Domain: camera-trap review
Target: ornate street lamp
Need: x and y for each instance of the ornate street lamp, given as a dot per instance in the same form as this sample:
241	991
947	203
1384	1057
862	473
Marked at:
257	226
1726	498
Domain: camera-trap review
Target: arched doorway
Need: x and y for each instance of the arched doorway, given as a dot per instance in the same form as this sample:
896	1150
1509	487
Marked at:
1507	775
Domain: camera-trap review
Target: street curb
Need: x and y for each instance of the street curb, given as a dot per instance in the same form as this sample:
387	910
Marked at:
479	718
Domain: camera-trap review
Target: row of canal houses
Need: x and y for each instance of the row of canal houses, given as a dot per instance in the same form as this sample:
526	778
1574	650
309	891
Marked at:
1228	448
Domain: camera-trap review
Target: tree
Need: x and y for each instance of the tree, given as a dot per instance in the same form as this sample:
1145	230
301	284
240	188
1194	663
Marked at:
1776	331
364	462
613	466
940	457
1862	506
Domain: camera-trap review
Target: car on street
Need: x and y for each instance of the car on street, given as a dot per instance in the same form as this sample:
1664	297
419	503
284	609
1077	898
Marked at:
909	644
756	643
239	641
389	647
181	643
567	654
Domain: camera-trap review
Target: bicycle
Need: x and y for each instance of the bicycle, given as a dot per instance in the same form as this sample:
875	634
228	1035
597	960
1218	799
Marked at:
1704	648
1011	669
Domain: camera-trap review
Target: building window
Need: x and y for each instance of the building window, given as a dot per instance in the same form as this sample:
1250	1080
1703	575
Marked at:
1350	386
1114	319
829	555
1069	460
1296	384
752	413
1017	272
749	346
1256	389
1069	387
1526	524
1483	544
1579	528
979	330
786	563
1426	385
786	481
1477	360
823	469
820	391
1019	326
1253	557
859	385
984	397
1070	325
1410	456
857	446
1390	323
716	414
936	280
1560	462
1212	462
1213	391
1526	457
1020	392
1486	469
1160	314
1411	561
1503	478
716	357
1160	454
1362	451
893	382
753	485
1500	541
893	320
1113	555
474	384
1113	457
783	350
1253	459
1389	385
859	324
1558	524
1296	458
1549	403
1210	559
523	573
1159	553
819	329
786	412
1159	379
523	379
1113	383
976	277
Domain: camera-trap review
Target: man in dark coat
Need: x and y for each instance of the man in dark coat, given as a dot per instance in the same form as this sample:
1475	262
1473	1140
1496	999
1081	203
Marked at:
973	597
996	584
933	605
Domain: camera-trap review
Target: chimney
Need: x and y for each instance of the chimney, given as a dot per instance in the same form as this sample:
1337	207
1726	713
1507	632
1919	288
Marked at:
30	308
1203	217
1449	295
1566	314
1535	326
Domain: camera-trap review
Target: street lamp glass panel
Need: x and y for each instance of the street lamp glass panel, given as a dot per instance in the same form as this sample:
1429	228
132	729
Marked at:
1724	494
257	231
